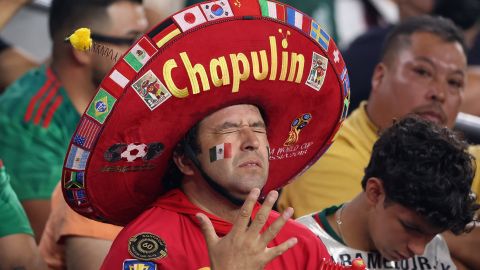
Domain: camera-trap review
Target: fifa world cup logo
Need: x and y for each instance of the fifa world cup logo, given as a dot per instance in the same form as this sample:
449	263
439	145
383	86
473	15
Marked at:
297	125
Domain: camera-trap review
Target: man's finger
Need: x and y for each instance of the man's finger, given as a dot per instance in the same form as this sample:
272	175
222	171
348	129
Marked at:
262	215
276	251
208	231
243	218
276	226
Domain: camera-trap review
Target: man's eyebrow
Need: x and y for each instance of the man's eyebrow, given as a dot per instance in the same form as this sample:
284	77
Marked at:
414	226
258	124
227	125
429	61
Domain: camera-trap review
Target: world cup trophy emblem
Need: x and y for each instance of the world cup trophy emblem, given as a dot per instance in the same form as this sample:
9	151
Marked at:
297	125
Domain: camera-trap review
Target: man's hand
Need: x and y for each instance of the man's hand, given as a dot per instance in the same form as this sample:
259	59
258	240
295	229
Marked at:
244	247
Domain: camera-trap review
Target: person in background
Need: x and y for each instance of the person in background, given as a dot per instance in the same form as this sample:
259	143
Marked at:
19	250
39	112
68	234
13	61
422	71
416	186
363	53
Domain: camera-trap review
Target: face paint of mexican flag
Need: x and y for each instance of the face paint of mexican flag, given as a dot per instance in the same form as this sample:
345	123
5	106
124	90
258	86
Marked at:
221	151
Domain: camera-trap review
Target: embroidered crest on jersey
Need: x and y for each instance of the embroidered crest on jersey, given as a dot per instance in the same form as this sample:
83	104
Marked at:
147	246
138	265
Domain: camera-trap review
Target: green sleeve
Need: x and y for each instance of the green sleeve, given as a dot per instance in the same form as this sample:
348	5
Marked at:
34	134
13	219
33	155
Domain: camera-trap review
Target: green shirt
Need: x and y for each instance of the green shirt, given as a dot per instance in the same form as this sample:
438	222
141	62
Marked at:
13	219
37	120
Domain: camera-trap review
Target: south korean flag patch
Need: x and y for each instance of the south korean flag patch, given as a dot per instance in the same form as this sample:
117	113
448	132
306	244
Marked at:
217	9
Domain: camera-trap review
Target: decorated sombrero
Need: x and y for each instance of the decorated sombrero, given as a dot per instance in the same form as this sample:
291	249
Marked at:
204	58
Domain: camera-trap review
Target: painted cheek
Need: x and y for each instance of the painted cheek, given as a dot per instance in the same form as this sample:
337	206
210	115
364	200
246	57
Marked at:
220	151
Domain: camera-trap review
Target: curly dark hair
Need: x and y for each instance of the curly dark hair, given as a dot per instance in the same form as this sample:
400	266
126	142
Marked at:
426	168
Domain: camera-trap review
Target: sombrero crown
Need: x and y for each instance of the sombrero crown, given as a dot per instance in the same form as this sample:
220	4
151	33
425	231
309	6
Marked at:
206	57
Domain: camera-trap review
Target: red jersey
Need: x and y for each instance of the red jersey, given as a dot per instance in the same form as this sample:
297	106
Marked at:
168	236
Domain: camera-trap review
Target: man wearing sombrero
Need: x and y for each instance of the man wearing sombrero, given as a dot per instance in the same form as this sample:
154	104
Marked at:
237	113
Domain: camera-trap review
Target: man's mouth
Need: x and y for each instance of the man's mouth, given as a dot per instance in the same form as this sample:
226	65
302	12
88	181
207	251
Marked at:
250	163
432	116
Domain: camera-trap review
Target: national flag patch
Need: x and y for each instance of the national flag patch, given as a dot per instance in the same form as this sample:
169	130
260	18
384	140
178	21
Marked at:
116	82
139	265
101	106
217	10
151	90
299	20
245	7
275	11
77	158
86	133
346	104
346	82
189	18
77	196
166	35
140	53
73	179
335	55
221	151
118	78
319	35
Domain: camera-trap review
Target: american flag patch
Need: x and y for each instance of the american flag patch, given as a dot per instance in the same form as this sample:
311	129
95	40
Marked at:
86	134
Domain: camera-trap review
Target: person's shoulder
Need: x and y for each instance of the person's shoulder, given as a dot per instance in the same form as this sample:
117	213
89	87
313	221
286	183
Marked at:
26	86
37	101
437	240
152	221
474	150
299	229
306	218
155	225
308	241
21	97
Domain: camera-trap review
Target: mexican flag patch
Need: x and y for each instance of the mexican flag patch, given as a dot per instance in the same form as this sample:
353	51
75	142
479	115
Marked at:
221	151
138	56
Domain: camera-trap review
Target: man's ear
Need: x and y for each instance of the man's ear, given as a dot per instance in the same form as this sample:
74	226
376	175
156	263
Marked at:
82	57
378	75
183	163
374	191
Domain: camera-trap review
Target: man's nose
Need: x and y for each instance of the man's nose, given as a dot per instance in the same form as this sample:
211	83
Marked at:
437	90
417	245
250	141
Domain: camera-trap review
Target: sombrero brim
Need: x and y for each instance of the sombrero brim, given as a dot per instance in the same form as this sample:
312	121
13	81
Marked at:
173	77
